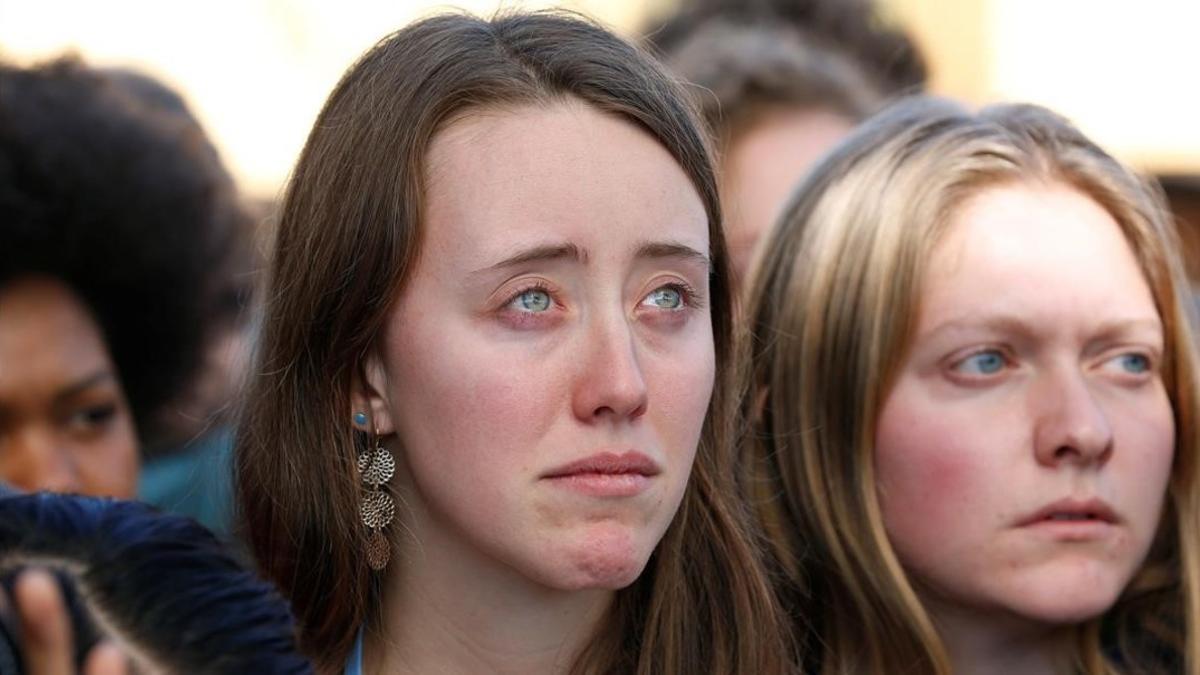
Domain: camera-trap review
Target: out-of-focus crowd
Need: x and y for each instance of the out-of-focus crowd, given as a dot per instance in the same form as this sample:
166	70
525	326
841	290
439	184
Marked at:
728	351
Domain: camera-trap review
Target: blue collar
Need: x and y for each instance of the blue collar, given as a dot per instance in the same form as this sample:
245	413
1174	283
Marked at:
354	663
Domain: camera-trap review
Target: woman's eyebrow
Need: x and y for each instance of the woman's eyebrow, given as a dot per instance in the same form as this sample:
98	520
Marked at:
83	384
670	249
1001	323
541	253
1017	325
549	252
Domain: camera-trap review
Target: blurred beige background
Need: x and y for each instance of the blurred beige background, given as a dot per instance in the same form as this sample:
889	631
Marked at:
257	71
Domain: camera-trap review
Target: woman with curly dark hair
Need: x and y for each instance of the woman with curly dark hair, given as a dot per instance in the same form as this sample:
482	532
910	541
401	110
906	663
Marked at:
115	219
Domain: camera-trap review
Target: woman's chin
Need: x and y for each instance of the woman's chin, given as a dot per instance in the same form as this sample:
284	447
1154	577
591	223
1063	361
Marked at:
606	558
1068	610
1064	601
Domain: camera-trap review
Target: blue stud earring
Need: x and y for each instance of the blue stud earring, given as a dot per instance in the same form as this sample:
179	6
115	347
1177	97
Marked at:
360	418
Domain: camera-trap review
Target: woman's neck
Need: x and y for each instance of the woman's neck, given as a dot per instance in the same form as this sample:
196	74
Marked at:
991	644
450	610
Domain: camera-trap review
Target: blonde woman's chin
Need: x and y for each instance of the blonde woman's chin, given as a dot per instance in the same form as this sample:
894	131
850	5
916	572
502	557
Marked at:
1066	591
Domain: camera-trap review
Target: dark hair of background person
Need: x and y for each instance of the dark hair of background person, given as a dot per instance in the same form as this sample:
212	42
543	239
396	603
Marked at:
160	584
349	236
745	55
128	205
206	401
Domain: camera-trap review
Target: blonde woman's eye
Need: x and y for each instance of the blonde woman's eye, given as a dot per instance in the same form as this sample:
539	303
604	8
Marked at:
1133	363
533	300
987	362
666	297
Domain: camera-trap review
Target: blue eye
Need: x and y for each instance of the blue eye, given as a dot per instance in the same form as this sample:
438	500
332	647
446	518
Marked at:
665	297
987	362
532	300
1134	363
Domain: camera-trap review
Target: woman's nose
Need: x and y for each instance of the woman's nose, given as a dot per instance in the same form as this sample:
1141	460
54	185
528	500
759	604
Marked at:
611	383
1071	424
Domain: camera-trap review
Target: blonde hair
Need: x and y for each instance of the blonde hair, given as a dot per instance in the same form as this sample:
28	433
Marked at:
831	311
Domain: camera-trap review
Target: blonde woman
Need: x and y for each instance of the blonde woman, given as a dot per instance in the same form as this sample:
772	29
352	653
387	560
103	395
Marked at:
973	403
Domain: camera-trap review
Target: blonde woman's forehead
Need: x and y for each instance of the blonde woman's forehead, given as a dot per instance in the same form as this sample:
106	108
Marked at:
1047	253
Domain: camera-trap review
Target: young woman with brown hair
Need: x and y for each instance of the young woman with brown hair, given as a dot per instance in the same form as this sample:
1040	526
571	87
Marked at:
973	391
498	313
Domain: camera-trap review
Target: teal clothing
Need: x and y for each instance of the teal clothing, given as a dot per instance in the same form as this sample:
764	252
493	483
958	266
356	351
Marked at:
195	481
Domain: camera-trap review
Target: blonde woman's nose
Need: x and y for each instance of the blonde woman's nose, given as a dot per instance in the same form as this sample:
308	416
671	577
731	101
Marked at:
1071	425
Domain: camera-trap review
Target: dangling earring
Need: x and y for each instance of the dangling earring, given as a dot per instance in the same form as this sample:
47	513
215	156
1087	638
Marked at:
376	467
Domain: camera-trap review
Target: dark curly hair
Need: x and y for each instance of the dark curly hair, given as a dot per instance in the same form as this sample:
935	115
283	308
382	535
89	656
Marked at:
127	203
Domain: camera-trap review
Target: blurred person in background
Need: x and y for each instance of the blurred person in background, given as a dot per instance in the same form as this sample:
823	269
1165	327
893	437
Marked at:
1183	196
188	459
117	224
779	83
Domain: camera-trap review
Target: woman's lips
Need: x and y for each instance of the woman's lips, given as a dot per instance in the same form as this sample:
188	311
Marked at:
606	474
1073	519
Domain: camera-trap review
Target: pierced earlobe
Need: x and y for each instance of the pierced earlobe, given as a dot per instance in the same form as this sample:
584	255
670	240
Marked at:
360	419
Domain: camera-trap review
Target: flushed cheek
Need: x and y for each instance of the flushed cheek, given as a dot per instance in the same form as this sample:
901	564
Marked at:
471	413
679	392
928	487
470	431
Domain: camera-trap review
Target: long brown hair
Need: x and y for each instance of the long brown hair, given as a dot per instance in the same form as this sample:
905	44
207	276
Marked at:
349	235
832	308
